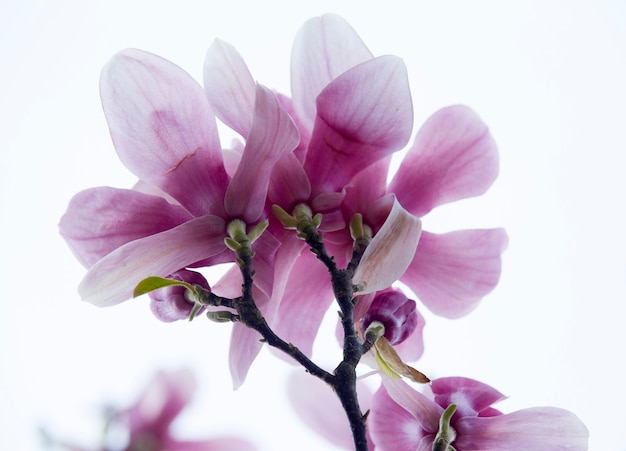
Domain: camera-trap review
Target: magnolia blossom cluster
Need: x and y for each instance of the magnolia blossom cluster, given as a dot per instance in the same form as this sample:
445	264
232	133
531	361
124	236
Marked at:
321	153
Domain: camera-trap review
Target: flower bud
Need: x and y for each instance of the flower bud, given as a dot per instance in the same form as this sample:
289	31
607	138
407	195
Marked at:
170	304
395	311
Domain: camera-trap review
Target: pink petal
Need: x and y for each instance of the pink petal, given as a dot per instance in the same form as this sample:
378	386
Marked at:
365	188
144	187
364	115
324	48
306	299
305	133
319	407
245	345
229	86
289	184
265	249
163	129
537	429
470	396
113	279
425	410
99	220
390	252
452	272
412	348
453	157
396	428
272	136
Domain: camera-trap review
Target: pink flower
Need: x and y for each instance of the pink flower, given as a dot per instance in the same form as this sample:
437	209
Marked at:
404	419
453	157
351	110
147	423
395	312
165	132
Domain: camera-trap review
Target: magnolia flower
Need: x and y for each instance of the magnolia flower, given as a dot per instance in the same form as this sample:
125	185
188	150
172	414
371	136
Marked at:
346	103
164	131
146	425
344	127
403	419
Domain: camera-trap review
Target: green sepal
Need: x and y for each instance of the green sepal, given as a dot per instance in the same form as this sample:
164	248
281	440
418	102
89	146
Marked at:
446	434
194	310
258	230
232	244
154	283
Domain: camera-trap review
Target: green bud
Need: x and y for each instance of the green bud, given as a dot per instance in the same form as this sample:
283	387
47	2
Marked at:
221	316
374	331
237	230
302	212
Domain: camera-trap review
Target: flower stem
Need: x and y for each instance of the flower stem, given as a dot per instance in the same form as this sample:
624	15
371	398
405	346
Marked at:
250	315
344	382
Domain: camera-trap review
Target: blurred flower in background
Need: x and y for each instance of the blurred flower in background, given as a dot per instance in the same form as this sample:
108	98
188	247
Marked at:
147	424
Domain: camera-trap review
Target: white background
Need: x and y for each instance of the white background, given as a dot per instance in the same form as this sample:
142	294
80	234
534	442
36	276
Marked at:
547	76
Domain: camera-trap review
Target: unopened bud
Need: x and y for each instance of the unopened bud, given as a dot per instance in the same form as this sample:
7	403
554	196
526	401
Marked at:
396	313
173	303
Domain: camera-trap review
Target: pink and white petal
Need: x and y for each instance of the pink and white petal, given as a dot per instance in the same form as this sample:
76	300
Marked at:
286	257
229	285
367	187
289	184
537	429
324	48
306	299
453	157
394	427
452	272
305	133
319	407
245	345
232	157
99	220
113	278
229	86
265	249
144	187
425	410
363	115
390	252
163	129
470	396
272	136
